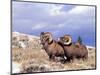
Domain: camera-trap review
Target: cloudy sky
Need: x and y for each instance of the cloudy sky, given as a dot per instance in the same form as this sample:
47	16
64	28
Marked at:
34	18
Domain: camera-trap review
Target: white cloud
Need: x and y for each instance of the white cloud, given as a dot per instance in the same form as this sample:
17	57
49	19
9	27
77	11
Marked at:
56	10
61	25
79	10
38	26
47	26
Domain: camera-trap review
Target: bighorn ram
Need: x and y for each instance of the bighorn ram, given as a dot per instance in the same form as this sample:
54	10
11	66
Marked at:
73	50
52	47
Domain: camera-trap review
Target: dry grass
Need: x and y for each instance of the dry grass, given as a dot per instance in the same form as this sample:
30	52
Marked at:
36	60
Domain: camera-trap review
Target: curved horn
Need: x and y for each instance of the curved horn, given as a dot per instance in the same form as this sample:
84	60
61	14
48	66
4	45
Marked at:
68	40
50	37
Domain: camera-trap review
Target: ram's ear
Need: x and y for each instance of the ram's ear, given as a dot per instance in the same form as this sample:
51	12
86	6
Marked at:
42	33
60	40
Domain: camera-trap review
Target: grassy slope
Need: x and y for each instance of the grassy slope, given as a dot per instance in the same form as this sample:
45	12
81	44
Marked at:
36	60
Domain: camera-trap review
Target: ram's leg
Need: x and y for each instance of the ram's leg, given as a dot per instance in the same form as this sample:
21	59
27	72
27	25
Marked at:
64	59
51	57
68	59
85	58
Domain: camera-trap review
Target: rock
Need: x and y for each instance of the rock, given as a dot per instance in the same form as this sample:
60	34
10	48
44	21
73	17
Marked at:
16	67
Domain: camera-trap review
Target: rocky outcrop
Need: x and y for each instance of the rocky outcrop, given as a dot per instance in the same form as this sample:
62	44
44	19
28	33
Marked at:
20	40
